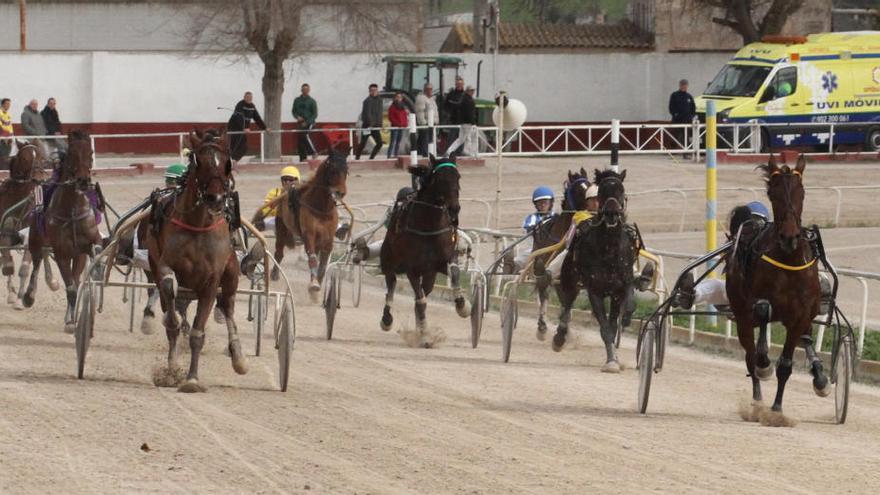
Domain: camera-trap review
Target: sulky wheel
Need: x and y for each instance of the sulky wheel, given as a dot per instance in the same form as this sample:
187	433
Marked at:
284	343
85	323
477	311
646	367
259	313
662	340
508	321
357	273
843	372
331	300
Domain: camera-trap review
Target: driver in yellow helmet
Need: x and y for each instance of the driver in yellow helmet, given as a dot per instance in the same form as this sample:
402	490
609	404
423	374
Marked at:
265	216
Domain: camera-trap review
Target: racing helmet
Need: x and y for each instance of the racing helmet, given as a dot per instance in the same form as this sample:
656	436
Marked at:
757	209
174	172
593	191
290	171
542	192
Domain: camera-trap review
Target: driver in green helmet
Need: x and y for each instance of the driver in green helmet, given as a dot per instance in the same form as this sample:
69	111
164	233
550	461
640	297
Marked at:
173	174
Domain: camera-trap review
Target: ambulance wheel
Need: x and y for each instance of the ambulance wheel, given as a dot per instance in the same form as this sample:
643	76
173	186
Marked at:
872	139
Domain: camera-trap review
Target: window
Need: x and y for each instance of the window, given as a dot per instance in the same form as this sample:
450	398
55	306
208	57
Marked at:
783	84
419	78
738	80
400	76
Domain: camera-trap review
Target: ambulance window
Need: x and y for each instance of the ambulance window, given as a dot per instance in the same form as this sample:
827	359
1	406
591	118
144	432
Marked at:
738	80
784	84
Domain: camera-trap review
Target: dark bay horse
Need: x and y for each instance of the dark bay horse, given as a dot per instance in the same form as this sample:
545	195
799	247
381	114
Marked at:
190	244
421	242
17	191
69	223
772	275
601	259
552	232
310	215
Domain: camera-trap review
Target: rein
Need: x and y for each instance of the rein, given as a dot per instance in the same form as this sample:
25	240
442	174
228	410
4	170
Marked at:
192	228
443	211
791	268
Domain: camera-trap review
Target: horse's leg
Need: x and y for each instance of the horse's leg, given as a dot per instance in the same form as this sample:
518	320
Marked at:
543	298
390	284
324	258
167	296
50	277
567	291
24	271
279	255
763	366
461	305
609	333
421	300
606	330
7	264
28	297
783	371
65	266
149	318
314	285
745	331
429	338
226	302
197	341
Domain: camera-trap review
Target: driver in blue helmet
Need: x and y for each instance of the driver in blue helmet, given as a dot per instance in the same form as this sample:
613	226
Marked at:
714	290
542	199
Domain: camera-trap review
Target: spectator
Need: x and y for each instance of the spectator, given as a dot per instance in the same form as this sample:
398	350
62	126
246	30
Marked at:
451	108
467	116
425	107
53	123
248	110
305	111
681	104
371	123
32	125
5	129
397	116
244	113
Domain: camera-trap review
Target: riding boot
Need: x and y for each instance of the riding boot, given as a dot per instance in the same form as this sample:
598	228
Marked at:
643	282
253	258
684	298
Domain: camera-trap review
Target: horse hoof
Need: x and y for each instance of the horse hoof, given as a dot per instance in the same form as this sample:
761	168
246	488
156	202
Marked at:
823	389
148	325
28	300
18	306
69	328
218	316
239	363
191	386
384	327
558	341
611	367
11	298
462	307
541	333
53	285
764	374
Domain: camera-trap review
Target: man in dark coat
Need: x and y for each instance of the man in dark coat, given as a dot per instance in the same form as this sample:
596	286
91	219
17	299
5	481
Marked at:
681	104
245	112
50	117
452	109
371	123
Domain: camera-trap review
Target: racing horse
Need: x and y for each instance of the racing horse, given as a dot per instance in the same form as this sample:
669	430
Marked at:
69	222
16	205
772	275
421	242
601	258
554	231
190	244
311	215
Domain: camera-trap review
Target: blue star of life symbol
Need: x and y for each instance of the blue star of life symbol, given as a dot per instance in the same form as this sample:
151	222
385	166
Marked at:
829	81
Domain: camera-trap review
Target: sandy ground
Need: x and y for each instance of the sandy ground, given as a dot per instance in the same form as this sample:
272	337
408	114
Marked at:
366	414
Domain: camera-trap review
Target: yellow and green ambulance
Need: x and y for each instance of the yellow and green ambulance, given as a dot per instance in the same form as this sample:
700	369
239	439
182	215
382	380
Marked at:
820	78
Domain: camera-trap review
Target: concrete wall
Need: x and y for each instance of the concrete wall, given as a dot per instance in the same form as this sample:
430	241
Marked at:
121	87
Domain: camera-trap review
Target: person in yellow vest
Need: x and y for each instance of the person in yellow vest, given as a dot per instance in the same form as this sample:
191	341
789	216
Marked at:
5	129
265	216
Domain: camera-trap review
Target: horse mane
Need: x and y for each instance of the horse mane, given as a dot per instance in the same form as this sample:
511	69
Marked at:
600	175
336	160
79	135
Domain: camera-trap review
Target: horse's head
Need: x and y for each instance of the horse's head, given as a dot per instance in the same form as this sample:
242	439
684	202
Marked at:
440	183
76	163
612	196
333	173
785	188
22	165
576	191
210	168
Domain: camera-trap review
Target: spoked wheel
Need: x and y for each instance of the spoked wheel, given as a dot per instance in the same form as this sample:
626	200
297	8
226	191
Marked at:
357	273
331	300
259	312
284	343
843	372
509	316
646	367
662	340
477	311
85	323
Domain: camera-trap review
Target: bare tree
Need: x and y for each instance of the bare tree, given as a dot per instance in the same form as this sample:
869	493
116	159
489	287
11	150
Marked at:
281	31
753	19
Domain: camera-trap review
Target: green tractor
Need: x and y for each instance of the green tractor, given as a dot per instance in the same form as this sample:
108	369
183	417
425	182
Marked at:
410	73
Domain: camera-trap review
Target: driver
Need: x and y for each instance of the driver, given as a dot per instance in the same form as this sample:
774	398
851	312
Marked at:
265	216
542	200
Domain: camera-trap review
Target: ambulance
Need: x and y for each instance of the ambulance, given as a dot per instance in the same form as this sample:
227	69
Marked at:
821	79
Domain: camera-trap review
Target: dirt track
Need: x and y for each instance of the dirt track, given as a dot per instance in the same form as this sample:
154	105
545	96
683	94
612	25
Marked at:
365	414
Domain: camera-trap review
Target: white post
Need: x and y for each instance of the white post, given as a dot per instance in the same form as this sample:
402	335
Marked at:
432	146
615	143
499	148
755	137
94	153
262	146
180	146
413	141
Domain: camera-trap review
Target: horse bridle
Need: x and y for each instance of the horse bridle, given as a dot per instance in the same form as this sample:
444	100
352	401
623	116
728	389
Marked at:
444	210
603	208
202	188
30	178
569	190
789	207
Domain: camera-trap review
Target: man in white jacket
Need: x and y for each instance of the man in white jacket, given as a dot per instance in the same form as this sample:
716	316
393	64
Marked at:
426	107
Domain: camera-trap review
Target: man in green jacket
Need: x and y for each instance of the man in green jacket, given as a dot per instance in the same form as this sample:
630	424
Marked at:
305	111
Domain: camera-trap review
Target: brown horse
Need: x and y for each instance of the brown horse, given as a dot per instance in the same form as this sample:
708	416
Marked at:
310	214
16	191
421	242
69	223
190	244
772	276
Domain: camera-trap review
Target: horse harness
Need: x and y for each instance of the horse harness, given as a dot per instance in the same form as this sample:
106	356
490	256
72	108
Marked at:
412	202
